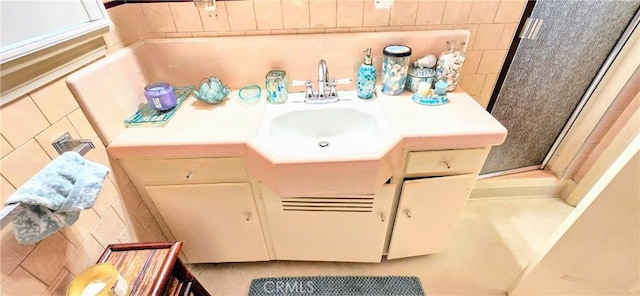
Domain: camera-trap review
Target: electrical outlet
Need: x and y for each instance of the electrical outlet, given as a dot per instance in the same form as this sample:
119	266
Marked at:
384	4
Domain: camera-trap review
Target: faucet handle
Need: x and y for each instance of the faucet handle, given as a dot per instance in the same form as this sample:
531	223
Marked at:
341	81
308	93
333	92
300	82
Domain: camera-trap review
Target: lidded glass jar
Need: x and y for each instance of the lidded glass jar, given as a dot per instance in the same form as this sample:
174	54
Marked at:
277	86
160	96
416	75
395	65
450	64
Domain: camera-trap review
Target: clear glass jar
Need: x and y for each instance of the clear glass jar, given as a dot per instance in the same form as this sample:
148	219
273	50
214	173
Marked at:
395	65
277	87
418	75
450	64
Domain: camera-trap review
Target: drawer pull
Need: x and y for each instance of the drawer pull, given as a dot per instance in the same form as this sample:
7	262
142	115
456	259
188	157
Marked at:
248	217
408	213
446	164
382	218
189	175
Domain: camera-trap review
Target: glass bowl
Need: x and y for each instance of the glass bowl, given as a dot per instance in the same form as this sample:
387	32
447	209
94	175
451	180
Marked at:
250	94
211	91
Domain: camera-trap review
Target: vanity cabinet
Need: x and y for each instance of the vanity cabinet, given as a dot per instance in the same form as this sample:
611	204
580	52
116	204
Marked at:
348	228
434	192
209	203
206	202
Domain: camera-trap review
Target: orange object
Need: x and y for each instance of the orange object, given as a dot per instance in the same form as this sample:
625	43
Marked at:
100	279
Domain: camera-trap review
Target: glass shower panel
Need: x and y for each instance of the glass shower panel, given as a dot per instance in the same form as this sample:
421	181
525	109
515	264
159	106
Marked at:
549	75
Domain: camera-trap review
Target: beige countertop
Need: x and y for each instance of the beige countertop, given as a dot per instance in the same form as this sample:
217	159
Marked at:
461	123
201	130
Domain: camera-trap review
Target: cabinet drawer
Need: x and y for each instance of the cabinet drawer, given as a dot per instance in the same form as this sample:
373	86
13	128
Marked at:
445	162
187	170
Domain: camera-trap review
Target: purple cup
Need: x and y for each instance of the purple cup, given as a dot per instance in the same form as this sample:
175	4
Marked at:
160	96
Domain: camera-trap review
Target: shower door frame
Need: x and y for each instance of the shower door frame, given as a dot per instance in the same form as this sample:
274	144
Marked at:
593	86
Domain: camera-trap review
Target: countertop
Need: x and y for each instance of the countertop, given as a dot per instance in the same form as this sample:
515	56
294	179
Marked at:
201	130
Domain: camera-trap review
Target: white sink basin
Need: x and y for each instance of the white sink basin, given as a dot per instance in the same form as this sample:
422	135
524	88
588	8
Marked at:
341	130
350	128
335	148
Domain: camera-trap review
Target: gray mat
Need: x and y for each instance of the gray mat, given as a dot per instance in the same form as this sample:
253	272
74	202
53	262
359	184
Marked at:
336	285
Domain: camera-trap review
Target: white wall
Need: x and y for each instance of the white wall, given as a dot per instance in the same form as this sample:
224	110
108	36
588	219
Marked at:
597	249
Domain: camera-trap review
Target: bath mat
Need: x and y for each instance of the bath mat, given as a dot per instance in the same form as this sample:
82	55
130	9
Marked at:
337	285
146	116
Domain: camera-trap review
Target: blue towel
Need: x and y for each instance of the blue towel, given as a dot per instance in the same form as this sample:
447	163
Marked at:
55	196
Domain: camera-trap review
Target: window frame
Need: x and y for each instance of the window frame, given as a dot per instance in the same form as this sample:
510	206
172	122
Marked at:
98	20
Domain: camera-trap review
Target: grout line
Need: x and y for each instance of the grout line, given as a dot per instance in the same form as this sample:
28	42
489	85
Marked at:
29	272
6	141
39	109
308	18
57	280
388	14
226	12
335	24
199	20
173	19
144	16
281	17
255	15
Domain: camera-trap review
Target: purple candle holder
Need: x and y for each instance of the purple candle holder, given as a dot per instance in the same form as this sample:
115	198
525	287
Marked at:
160	96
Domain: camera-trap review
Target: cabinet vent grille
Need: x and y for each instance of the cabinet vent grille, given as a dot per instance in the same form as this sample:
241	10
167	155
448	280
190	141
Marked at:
328	204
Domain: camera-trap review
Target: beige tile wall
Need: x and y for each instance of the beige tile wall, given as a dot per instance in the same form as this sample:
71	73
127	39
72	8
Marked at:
492	24
27	127
29	124
185	61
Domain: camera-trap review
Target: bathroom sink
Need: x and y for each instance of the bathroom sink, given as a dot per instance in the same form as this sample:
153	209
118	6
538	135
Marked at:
333	131
335	148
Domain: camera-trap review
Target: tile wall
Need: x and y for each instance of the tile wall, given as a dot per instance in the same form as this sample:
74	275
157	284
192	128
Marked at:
185	61
492	24
27	127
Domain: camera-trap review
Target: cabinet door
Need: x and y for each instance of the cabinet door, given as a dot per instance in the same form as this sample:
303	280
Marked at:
427	214
331	228
217	222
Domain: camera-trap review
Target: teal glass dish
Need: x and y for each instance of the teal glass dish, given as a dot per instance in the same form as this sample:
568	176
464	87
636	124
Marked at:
250	94
211	91
434	100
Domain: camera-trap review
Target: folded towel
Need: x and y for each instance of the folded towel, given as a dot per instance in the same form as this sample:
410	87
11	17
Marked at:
54	196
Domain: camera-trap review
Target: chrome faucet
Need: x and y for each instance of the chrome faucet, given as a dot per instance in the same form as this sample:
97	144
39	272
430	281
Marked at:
327	92
323	79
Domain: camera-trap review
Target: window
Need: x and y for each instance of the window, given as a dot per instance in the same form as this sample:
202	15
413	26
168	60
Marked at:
41	41
29	26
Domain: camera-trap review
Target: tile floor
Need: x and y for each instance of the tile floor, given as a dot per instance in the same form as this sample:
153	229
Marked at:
491	245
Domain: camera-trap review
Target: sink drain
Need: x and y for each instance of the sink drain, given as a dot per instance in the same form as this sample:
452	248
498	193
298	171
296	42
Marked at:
323	144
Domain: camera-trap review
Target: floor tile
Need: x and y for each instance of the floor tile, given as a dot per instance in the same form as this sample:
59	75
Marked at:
491	245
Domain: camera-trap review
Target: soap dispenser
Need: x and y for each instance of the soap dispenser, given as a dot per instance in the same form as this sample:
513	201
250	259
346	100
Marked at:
366	79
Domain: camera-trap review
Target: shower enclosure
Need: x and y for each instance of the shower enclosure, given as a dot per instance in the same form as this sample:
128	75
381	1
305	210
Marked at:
560	54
